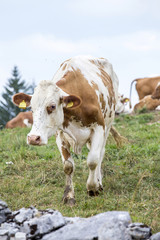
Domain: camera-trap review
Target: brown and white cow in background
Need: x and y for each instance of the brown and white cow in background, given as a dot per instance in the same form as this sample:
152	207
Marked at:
147	102
145	86
121	106
79	104
23	119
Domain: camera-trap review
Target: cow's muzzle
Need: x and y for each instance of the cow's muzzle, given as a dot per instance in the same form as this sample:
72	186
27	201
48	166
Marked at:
34	140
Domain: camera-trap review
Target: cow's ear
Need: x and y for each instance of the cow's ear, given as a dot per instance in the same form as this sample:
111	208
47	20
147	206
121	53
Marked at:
156	93
21	100
71	101
125	100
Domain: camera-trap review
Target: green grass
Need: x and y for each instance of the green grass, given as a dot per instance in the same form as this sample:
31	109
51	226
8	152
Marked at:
131	174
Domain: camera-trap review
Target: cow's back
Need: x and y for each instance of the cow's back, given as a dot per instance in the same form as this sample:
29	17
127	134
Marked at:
146	86
95	82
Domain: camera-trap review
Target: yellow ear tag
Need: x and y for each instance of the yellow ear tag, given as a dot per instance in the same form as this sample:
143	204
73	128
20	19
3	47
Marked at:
127	100
23	105
70	104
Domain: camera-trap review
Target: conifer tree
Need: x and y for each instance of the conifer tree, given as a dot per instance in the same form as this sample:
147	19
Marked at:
14	85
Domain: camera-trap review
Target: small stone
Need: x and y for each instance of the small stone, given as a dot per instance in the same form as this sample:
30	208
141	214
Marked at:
11	229
20	236
3	234
25	214
139	231
3	204
3	214
4	237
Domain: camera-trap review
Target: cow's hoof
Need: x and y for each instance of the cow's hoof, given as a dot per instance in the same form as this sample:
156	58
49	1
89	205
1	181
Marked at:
92	193
100	188
69	201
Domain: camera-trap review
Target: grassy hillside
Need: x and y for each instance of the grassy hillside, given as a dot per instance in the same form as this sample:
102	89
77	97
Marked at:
131	174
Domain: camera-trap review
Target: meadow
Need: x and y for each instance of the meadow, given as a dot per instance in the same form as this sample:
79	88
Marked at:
131	173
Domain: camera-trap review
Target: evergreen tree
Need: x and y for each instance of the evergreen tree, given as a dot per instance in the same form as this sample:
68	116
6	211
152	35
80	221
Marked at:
14	85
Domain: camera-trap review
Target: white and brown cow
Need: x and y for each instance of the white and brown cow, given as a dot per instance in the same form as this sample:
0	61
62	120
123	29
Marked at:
148	103
78	105
121	106
145	86
23	119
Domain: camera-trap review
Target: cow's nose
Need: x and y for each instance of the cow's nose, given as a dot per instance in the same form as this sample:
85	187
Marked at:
34	140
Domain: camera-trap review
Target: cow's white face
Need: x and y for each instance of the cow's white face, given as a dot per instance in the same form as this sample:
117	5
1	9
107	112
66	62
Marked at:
47	110
121	104
47	104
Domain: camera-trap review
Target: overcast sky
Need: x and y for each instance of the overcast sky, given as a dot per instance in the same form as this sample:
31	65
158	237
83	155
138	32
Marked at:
38	35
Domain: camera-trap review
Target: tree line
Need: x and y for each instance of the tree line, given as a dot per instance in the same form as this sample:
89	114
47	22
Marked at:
14	85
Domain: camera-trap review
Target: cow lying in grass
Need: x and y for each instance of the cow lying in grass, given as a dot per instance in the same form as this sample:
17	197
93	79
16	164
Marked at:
79	103
23	119
148	103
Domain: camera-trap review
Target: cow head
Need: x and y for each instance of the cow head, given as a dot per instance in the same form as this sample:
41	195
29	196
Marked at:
47	104
121	104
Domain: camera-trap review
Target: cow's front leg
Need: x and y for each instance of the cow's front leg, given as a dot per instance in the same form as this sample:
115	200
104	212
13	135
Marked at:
64	148
95	157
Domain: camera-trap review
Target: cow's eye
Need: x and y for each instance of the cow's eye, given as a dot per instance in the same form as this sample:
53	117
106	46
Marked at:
51	108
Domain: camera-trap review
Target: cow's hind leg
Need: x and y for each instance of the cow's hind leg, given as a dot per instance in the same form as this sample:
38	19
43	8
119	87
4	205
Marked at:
64	148
95	157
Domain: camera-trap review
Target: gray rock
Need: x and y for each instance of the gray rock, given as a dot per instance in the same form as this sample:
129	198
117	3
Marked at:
25	214
37	227
49	224
20	236
139	231
9	230
4	212
3	232
113	231
3	205
90	228
72	219
3	237
155	236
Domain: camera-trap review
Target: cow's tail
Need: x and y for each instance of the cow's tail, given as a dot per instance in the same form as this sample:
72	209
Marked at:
135	80
120	140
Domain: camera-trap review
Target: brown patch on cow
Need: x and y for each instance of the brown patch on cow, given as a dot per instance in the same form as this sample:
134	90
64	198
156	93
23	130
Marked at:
105	112
94	85
89	111
103	103
100	63
108	83
109	101
64	66
110	114
65	62
51	108
92	61
66	153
